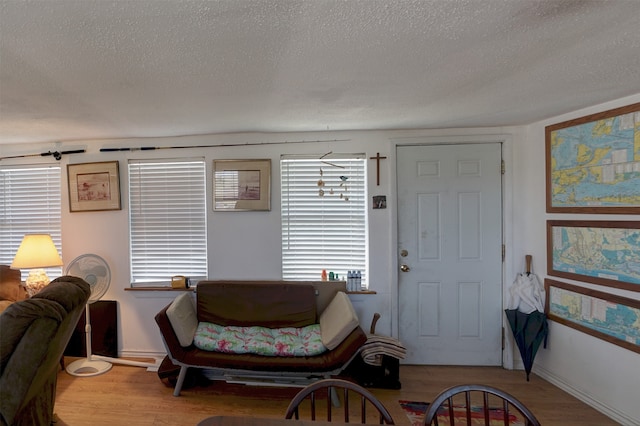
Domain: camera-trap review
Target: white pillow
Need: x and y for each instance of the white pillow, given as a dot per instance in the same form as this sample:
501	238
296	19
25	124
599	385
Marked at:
183	318
338	320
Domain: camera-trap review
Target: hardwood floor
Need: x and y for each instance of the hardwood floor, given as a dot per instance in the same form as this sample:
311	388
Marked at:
133	396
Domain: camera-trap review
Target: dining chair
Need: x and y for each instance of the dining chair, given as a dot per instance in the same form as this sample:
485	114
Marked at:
467	404
324	392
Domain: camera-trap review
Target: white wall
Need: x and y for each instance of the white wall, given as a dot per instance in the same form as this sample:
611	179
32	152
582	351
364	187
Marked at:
243	245
246	244
605	375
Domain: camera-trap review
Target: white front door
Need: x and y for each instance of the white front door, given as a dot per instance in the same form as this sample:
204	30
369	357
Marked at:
450	252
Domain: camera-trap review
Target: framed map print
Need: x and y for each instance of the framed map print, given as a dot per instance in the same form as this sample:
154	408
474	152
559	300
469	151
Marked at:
593	163
604	253
606	316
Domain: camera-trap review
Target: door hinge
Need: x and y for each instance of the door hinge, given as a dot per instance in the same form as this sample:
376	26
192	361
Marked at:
504	252
503	338
502	167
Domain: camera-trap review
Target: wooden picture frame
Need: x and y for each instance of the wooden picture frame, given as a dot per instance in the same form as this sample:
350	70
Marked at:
600	252
94	186
242	185
592	165
605	316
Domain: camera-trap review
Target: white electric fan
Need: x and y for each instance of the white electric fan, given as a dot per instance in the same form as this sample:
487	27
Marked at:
95	271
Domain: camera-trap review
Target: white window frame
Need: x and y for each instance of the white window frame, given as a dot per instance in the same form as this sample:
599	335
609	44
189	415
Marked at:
318	231
30	203
167	220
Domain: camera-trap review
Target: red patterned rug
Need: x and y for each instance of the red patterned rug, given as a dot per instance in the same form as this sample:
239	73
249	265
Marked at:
416	411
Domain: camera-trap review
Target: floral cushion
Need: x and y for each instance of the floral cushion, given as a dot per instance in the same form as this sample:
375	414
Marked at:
289	341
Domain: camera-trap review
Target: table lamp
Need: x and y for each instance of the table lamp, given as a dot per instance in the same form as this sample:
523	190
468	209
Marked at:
36	251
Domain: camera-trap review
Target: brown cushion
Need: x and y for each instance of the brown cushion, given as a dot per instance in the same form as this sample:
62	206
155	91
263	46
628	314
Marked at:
4	304
10	287
242	303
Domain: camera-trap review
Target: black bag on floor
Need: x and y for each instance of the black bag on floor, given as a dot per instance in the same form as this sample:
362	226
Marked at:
385	376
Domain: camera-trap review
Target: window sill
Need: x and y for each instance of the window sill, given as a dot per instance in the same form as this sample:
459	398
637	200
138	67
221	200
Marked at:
193	289
157	289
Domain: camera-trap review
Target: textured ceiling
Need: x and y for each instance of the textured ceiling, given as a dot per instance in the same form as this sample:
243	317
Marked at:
91	69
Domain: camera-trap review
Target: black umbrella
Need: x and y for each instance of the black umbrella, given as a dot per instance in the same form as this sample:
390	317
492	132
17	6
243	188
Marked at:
526	319
529	331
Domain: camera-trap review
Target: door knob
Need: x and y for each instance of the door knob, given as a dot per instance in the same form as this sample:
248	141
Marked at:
405	268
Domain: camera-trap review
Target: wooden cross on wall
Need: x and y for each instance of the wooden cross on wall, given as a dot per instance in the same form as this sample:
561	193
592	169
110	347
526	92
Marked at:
377	158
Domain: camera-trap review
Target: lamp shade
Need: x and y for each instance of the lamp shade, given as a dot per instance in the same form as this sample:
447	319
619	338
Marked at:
36	251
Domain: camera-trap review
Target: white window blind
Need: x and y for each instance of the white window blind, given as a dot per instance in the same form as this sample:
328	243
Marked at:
30	203
167	219
326	231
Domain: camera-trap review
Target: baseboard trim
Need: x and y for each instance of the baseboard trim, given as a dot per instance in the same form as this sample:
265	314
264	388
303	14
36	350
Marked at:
157	356
142	354
613	413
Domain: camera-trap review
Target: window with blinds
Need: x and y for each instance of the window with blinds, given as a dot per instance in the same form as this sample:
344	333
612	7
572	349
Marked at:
30	203
167	220
324	221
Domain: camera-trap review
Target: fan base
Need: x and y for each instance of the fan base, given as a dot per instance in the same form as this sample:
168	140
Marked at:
88	367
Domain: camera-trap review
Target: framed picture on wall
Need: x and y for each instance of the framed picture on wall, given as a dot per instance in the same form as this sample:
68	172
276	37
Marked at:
593	163
94	186
599	252
241	185
605	316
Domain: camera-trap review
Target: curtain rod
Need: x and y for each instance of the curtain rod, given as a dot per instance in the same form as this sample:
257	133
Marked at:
222	145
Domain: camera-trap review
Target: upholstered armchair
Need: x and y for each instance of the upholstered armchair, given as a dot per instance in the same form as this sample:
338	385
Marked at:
11	289
33	335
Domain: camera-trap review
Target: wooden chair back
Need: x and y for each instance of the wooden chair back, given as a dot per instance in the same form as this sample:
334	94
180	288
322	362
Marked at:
474	404
324	393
